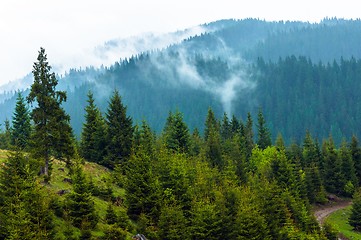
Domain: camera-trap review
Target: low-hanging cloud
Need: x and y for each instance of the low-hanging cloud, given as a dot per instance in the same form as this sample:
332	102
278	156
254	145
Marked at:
181	71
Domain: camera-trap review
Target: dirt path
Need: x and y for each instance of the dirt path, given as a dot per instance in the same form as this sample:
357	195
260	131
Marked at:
322	212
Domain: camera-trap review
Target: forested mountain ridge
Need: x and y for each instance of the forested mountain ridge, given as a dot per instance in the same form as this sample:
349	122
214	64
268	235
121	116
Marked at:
229	69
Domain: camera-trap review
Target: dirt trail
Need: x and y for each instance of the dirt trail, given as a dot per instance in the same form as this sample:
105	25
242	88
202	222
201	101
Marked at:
322	212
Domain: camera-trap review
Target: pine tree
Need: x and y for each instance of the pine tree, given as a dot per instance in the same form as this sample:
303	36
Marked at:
142	187
356	157
176	133
348	169
24	210
355	217
52	132
247	136
226	128
264	136
334	179
211	124
92	143
21	128
144	139
119	134
79	202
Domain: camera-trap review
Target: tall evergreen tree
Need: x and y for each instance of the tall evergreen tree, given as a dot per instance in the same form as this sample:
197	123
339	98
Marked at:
21	128
52	132
355	217
334	179
264	135
119	134
176	133
226	128
92	144
211	124
356	157
142	187
247	136
348	169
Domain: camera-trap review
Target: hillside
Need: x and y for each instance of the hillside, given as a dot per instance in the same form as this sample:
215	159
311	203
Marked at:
221	69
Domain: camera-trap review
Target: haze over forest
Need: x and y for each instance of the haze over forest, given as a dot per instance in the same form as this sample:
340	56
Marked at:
234	67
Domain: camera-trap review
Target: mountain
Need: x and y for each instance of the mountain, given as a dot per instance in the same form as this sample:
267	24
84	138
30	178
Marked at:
234	66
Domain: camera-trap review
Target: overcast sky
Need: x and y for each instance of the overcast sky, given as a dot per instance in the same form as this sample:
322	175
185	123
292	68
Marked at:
68	28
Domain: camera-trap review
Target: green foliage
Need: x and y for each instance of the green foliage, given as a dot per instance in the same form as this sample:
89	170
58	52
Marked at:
173	224
24	208
52	134
79	202
142	188
355	216
92	144
264	136
21	128
176	133
119	133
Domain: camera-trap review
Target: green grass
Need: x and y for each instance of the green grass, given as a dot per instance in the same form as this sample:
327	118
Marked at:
339	221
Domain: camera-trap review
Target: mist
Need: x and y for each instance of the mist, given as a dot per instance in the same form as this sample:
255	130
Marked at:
180	70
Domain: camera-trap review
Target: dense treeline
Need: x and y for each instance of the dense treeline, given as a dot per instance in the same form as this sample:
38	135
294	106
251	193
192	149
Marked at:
324	97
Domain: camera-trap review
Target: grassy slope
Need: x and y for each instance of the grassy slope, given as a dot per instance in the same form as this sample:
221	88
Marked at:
100	176
339	220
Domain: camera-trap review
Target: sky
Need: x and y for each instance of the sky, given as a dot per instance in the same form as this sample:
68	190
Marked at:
68	29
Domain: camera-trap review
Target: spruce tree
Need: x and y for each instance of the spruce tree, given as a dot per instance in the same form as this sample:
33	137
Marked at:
92	142
24	209
356	157
52	132
142	188
21	128
79	202
119	133
264	136
176	133
226	128
247	136
355	217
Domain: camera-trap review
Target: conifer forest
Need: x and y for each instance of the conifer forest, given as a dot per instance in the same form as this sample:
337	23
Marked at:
190	142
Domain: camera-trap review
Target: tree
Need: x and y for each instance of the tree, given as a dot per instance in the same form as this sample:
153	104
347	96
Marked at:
119	134
176	133
247	136
52	132
21	128
333	177
356	157
142	187
348	169
79	202
226	128
264	135
24	209
211	124
92	142
355	217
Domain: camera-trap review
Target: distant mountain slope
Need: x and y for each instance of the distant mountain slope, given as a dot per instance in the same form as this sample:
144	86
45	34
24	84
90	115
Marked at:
220	68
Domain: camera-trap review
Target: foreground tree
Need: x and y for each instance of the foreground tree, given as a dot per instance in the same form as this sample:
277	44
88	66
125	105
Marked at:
21	123
119	135
24	209
80	203
52	132
355	217
92	143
